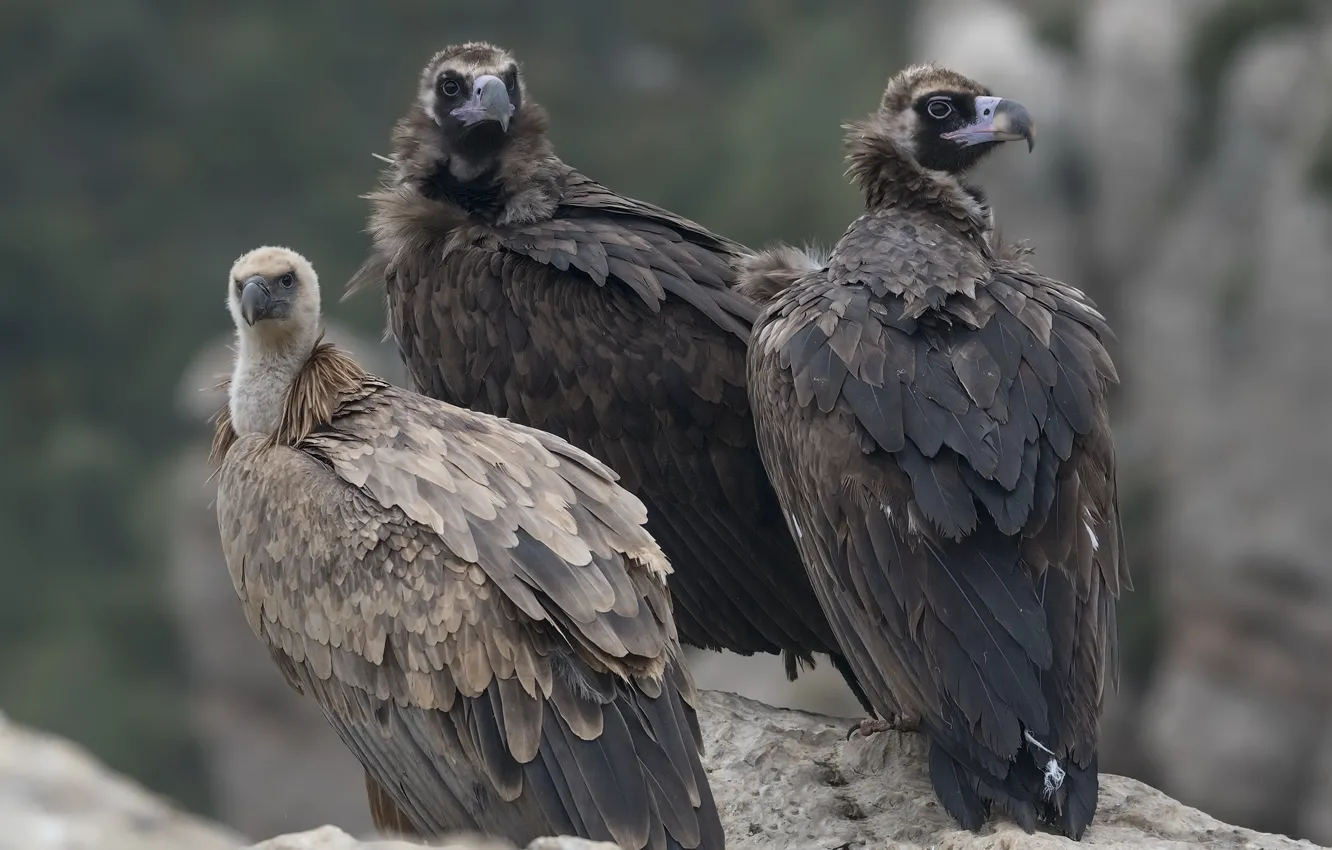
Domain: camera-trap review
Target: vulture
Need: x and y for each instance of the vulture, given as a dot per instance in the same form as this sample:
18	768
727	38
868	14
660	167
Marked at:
932	413
475	605
517	286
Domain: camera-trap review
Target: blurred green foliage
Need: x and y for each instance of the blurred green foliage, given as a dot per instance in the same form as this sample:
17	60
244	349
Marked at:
147	144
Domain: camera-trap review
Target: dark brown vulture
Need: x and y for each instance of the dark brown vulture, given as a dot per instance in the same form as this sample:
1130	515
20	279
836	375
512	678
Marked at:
518	287
475	605
933	416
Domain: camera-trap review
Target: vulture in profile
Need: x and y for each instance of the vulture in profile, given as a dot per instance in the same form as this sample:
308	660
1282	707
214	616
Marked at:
518	287
933	415
475	605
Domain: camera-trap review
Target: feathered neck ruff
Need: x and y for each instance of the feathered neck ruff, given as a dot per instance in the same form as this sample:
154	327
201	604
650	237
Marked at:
328	378
521	184
890	176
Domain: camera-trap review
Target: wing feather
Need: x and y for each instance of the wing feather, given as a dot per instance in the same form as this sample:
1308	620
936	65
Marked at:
969	565
454	679
613	325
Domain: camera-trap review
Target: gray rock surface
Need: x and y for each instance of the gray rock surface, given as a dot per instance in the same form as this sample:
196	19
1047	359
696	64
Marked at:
55	796
783	780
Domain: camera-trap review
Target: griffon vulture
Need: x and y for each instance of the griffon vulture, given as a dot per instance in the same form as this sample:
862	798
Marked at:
933	415
475	605
518	287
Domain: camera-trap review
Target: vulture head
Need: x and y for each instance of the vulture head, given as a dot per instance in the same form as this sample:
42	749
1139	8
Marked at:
931	127
472	129
273	296
948	122
474	93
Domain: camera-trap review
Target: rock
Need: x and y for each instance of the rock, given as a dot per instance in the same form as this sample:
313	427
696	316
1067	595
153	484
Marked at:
788	780
783	780
332	838
54	796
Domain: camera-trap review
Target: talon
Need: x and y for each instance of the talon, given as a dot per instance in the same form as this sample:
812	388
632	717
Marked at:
872	725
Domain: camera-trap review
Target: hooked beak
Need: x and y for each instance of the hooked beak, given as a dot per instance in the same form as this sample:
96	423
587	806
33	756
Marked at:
254	300
997	120
490	102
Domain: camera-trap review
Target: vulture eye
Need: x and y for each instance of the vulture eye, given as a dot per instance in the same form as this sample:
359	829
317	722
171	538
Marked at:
286	280
450	88
939	108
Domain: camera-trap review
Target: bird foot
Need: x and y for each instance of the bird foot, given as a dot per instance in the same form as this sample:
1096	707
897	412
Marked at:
872	725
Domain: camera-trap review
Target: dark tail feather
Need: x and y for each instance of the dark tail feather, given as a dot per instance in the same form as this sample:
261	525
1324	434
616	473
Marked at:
955	786
1073	805
968	792
1062	795
794	662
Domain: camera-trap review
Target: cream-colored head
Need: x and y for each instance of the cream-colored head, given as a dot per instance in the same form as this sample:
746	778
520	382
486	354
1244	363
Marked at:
273	296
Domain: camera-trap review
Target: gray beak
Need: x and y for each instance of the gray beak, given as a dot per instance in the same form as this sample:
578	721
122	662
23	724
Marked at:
254	300
490	102
997	120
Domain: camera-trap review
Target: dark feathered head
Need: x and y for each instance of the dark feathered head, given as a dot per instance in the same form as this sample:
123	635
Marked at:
473	137
474	93
932	125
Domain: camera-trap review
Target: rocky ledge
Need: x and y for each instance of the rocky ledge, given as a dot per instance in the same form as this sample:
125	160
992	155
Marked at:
784	780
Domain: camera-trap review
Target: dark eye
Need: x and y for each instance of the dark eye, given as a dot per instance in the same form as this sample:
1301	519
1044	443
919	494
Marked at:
286	280
450	88
939	108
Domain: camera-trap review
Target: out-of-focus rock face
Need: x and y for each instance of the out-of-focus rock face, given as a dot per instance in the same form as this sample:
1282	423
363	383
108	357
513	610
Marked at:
1231	323
1133	107
257	734
54	796
783	780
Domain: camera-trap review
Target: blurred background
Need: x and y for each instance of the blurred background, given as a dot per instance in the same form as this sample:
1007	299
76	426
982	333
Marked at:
1183	178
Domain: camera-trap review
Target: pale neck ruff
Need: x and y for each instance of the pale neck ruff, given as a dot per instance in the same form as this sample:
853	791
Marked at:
265	370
